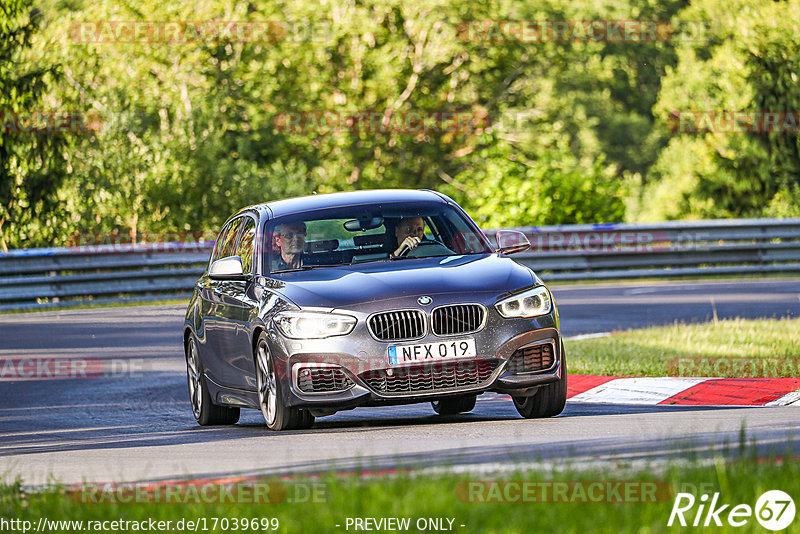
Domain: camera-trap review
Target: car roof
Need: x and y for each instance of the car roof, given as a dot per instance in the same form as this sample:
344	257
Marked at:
289	206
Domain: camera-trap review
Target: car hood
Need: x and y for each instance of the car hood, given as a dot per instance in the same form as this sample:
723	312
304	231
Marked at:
337	287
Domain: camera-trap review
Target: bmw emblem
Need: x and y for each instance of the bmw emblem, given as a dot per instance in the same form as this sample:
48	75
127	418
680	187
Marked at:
424	301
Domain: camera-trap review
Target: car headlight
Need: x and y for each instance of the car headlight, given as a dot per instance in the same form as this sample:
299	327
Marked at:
309	325
529	303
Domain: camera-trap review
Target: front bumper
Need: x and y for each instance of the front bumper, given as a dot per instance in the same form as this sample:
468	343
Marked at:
360	357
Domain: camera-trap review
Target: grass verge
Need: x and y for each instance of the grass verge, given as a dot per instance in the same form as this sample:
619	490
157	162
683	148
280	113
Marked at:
558	501
726	348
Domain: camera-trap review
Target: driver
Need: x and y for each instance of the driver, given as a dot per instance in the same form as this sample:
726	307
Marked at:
409	232
291	240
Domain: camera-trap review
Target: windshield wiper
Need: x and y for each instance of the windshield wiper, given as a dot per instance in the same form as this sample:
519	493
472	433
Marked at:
422	257
304	268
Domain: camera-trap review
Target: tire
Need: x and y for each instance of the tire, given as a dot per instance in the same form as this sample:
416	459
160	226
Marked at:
452	406
276	414
549	400
306	420
205	412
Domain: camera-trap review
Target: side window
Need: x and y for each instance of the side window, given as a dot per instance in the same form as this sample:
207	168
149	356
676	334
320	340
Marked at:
218	244
246	243
228	245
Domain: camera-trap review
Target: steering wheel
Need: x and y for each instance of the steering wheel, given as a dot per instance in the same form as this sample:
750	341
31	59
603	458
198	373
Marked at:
423	241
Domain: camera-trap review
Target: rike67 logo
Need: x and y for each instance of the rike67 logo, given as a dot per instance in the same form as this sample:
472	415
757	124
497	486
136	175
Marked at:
774	510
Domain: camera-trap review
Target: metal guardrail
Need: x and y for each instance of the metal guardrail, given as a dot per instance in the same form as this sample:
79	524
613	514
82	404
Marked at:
54	277
666	249
108	273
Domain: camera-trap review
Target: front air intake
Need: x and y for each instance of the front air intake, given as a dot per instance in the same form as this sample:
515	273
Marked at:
322	380
532	359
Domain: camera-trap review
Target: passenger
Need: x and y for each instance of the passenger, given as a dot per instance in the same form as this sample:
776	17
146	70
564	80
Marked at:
291	240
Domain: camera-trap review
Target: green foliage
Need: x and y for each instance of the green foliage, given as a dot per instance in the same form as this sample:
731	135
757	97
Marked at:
726	348
551	189
189	133
573	131
31	166
507	502
745	58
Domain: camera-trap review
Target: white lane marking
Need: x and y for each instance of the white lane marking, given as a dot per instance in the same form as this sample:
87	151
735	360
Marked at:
790	399
637	390
693	298
642	290
587	336
70	352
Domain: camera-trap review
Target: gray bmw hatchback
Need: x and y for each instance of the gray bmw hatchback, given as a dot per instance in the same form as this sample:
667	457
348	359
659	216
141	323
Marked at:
323	303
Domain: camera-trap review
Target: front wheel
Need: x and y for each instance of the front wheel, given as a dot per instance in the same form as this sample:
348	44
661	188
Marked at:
205	411
549	400
276	414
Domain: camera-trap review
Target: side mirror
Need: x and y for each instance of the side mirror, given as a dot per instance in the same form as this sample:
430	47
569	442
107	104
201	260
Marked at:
229	268
511	242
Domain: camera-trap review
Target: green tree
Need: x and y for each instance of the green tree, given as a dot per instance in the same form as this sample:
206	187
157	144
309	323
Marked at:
506	189
745	57
32	166
190	135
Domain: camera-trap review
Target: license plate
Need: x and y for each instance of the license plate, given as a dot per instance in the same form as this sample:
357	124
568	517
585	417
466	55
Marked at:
430	352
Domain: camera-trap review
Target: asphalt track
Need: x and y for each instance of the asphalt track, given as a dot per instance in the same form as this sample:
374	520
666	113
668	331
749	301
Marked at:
137	425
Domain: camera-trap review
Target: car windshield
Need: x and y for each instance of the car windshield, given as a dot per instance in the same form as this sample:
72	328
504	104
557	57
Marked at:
359	234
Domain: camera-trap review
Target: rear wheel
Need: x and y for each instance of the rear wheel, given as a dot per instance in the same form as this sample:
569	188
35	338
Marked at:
453	406
204	410
549	400
276	414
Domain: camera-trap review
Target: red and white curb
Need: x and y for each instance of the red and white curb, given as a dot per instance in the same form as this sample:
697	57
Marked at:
684	391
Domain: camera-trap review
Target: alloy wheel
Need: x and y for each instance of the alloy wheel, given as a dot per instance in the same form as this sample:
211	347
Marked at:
267	387
195	384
